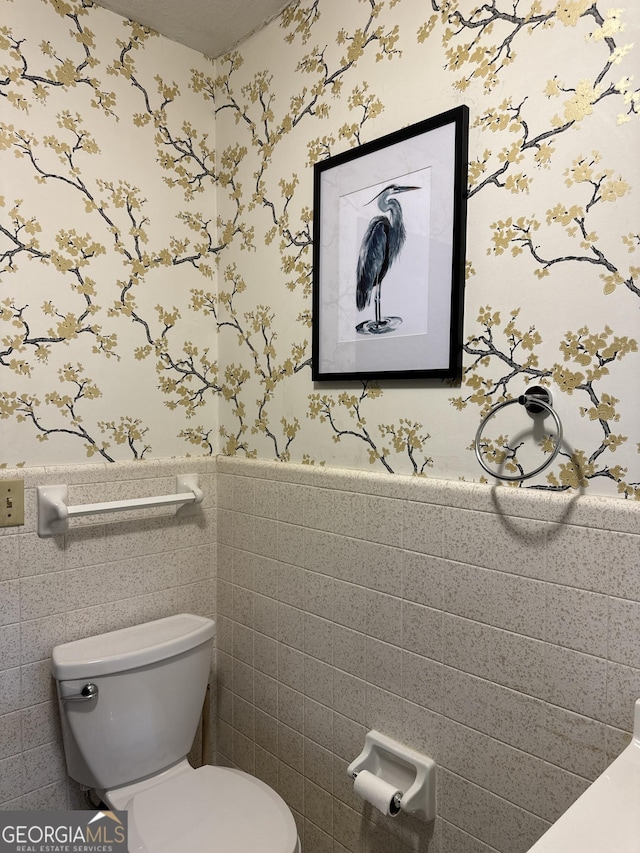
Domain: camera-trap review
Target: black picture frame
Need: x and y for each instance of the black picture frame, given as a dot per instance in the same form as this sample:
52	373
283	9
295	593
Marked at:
417	177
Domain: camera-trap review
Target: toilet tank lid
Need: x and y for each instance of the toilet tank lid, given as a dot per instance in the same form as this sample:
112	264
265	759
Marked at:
129	648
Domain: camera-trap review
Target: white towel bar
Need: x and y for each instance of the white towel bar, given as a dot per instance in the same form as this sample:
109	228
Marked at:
54	511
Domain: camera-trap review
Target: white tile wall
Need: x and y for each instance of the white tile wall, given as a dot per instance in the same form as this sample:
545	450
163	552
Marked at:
115	571
494	629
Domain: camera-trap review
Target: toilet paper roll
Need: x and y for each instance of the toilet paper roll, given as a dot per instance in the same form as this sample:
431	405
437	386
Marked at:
376	791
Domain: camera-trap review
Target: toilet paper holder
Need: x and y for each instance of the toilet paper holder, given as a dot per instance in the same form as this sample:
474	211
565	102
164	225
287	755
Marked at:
410	772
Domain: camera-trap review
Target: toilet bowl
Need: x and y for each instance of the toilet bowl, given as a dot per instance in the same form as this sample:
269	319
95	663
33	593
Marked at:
219	808
130	703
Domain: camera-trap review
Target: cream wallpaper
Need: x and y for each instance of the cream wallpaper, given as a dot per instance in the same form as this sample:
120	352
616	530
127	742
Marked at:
552	290
108	233
156	220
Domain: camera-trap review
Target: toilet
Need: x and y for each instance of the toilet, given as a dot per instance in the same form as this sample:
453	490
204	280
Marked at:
130	703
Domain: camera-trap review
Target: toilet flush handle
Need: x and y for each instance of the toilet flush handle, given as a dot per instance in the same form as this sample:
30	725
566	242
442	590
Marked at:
89	691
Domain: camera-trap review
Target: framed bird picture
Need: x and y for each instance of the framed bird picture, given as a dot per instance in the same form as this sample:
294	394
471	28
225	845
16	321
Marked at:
389	232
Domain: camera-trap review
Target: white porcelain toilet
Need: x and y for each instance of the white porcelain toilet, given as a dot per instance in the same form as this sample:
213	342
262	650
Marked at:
130	703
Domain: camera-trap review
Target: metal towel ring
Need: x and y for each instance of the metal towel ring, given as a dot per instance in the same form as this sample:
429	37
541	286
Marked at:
534	402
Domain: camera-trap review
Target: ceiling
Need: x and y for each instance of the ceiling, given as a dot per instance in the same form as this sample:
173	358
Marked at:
212	27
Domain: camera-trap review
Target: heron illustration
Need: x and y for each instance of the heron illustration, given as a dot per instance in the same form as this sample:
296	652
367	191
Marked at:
380	247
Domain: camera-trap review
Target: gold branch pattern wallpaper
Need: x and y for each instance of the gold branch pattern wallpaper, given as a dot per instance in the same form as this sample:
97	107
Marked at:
107	230
156	218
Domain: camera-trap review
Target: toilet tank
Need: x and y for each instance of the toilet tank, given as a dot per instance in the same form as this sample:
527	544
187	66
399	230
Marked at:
151	680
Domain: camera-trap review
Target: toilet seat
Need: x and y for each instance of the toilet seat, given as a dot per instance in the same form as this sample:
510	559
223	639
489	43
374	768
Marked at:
211	810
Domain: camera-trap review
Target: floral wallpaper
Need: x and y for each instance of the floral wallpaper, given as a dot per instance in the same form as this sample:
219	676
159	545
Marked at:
552	245
108	231
156	217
